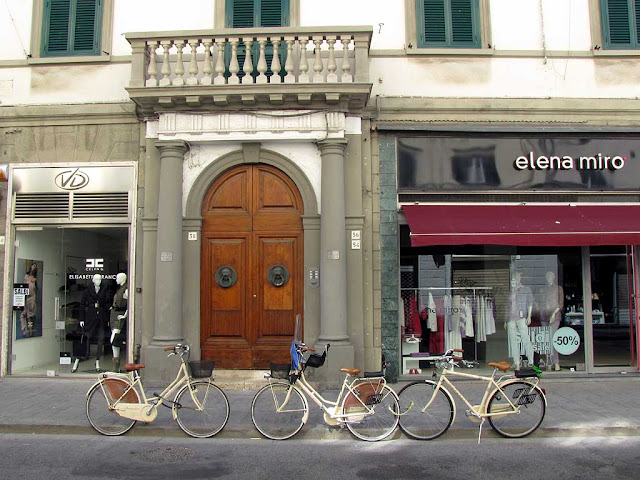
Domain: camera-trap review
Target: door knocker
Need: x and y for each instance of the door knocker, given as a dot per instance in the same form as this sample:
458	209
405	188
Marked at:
226	276
278	275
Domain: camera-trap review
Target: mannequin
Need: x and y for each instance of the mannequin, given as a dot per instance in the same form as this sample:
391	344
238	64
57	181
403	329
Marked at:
94	315
551	303
519	320
28	315
118	319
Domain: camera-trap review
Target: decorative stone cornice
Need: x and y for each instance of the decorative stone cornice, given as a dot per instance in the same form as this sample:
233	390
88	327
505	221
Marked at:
251	126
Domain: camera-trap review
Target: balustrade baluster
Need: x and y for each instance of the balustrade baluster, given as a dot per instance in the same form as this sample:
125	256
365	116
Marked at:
178	80
219	79
346	65
234	68
275	62
304	64
262	62
317	64
288	64
207	67
332	66
166	67
193	64
152	71
248	63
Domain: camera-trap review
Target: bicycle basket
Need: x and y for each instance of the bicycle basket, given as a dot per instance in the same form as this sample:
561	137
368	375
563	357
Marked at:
316	360
280	370
201	368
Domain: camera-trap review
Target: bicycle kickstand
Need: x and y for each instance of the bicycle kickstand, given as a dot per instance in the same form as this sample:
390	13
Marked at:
480	430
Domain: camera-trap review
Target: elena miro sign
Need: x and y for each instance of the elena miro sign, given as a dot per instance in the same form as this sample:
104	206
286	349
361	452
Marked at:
567	162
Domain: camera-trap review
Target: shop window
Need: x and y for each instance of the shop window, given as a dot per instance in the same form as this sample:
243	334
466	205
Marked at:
71	28
450	24
620	24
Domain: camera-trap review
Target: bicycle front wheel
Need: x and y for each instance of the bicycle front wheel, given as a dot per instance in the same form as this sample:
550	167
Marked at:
531	404
106	420
430	423
377	425
202	409
274	418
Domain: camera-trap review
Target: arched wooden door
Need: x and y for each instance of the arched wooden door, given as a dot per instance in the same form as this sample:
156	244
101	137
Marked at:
252	267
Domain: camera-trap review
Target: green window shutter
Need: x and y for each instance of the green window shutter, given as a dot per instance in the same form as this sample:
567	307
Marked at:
257	13
620	23
448	23
86	27
71	27
56	27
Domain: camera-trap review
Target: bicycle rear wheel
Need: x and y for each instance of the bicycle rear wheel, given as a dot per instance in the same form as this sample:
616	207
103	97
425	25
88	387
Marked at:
103	419
378	425
530	400
428	424
272	417
211	418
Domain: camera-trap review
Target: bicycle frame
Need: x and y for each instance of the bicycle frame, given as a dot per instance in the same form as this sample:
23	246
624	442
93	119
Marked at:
479	411
147	409
331	407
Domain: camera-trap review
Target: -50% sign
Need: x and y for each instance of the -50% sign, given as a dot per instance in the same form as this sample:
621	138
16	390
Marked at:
566	341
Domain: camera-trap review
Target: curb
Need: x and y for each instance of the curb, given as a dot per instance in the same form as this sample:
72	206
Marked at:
317	432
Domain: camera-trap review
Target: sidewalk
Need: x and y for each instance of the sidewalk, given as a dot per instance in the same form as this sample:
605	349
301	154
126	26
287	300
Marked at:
576	406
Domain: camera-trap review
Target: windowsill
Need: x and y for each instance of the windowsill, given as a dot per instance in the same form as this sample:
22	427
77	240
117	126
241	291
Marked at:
616	53
71	59
450	51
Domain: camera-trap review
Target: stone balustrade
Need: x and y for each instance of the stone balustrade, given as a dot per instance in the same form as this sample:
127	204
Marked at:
214	63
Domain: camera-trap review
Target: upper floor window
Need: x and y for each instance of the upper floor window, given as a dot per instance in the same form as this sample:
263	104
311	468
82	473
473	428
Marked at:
257	13
448	24
71	27
620	23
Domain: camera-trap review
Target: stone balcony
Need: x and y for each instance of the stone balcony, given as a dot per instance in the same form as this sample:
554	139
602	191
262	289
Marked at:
317	68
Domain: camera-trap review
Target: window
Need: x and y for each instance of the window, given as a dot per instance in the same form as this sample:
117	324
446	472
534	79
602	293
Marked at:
257	13
620	24
71	27
448	23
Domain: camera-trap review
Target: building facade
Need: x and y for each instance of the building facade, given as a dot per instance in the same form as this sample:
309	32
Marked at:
246	161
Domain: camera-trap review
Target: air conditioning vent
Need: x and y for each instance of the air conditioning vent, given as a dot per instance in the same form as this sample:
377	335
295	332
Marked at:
100	205
42	205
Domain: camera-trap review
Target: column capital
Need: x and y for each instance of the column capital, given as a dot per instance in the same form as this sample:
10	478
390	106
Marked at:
336	146
166	146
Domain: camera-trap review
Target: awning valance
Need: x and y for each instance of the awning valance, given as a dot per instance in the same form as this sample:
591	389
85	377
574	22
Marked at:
523	225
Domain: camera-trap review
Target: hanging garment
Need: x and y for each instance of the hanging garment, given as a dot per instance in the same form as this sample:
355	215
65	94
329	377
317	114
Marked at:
432	320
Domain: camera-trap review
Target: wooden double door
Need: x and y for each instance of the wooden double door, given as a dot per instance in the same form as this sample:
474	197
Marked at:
252	267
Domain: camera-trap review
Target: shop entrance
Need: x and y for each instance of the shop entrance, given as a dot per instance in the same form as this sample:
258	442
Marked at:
251	267
56	323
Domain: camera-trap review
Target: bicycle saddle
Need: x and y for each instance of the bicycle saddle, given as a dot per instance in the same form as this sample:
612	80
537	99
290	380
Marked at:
350	371
502	366
130	367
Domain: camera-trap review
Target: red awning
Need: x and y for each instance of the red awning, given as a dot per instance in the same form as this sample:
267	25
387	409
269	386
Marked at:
523	225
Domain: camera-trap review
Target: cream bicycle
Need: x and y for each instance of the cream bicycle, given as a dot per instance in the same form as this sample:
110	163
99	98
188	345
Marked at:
514	404
118	400
365	405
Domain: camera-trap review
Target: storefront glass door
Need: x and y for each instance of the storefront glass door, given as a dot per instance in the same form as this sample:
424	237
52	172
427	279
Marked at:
612	308
55	324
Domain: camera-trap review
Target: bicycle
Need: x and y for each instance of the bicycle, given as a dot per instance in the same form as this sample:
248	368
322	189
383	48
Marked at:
365	405
514	404
200	407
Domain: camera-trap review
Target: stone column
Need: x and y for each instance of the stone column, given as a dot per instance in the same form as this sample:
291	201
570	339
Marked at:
168	318
333	262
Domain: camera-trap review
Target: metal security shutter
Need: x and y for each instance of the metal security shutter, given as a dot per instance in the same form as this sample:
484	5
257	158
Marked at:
41	205
492	274
69	206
